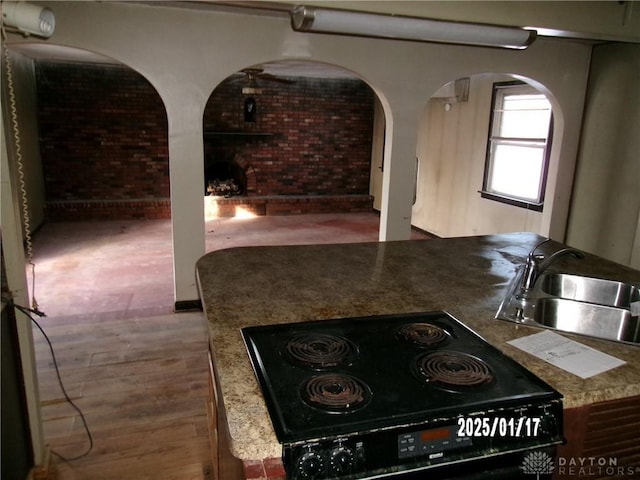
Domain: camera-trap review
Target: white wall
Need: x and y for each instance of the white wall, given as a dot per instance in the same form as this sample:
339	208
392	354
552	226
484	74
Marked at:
25	101
605	204
21	108
451	153
605	217
14	260
377	156
185	53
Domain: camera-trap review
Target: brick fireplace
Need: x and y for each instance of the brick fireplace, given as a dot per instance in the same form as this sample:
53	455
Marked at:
308	150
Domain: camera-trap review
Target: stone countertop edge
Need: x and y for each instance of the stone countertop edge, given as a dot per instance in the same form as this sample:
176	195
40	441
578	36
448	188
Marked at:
465	276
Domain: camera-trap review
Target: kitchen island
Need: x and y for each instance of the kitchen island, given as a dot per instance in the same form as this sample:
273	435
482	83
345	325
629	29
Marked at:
467	277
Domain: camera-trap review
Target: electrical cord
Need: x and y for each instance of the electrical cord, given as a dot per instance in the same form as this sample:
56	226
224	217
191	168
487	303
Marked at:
28	312
18	151
29	245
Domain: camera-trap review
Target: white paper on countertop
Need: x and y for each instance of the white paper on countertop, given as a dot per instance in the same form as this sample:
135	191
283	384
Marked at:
571	356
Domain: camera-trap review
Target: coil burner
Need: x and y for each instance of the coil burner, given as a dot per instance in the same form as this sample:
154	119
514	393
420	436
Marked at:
382	397
423	334
336	393
452	369
320	351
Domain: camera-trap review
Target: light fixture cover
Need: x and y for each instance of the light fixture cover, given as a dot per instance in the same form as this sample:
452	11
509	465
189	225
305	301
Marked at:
346	22
30	19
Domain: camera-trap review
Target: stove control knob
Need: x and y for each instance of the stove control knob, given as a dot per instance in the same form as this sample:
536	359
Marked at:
310	465
548	424
341	460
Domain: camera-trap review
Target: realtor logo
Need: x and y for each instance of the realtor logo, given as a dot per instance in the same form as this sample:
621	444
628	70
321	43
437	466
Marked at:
537	463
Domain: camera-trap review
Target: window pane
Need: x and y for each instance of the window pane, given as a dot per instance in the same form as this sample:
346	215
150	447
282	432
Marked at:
525	102
524	116
525	124
517	171
519	146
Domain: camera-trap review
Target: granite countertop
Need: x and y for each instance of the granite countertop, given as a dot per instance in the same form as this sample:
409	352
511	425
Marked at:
466	277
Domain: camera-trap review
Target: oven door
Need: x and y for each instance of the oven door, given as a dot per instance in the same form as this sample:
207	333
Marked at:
503	467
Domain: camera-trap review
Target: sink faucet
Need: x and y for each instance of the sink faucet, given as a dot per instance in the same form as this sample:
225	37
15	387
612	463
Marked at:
536	264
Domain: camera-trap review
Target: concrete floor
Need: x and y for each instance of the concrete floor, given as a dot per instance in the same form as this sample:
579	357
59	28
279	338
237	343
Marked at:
124	268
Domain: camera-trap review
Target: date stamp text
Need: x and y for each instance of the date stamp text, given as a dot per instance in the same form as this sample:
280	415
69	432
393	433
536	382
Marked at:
498	427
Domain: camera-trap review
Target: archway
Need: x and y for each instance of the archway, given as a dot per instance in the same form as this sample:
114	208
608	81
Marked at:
452	148
304	146
99	135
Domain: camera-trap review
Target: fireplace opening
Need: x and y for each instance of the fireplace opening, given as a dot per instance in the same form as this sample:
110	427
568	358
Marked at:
225	177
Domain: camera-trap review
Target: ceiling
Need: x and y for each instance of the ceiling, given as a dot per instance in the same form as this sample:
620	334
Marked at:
49	52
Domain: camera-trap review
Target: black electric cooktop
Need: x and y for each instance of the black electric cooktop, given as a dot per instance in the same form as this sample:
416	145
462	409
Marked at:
333	377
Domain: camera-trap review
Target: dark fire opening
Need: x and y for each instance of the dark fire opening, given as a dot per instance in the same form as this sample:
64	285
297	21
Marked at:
224	177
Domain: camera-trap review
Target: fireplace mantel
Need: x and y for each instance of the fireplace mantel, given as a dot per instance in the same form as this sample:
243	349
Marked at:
241	135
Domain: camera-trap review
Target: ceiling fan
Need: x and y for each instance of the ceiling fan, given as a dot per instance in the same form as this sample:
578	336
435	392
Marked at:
253	74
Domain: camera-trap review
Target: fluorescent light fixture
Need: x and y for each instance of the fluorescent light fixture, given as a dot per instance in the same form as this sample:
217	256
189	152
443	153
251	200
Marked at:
28	18
345	22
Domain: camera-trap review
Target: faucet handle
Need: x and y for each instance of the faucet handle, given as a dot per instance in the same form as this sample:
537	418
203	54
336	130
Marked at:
533	259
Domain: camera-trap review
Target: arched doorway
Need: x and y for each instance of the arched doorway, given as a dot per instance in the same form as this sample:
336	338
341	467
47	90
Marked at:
287	138
452	150
99	171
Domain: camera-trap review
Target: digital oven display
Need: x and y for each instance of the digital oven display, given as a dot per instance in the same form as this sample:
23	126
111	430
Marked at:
431	443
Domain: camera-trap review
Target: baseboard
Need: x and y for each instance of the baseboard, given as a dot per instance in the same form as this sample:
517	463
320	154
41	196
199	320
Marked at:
187	305
46	471
424	232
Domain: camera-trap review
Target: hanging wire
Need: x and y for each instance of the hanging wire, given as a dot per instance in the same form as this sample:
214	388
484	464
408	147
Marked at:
29	247
26	218
29	313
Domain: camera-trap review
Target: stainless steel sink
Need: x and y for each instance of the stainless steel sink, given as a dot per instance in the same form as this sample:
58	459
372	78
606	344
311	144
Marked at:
587	289
577	304
588	319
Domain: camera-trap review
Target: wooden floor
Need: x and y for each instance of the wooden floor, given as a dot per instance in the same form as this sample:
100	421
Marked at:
141	384
139	372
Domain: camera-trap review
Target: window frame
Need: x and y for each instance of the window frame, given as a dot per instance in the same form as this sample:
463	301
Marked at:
513	200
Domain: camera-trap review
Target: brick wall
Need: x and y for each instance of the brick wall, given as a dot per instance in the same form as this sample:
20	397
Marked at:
321	135
103	145
104	148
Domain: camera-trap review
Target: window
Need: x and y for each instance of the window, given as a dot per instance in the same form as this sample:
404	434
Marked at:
517	159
